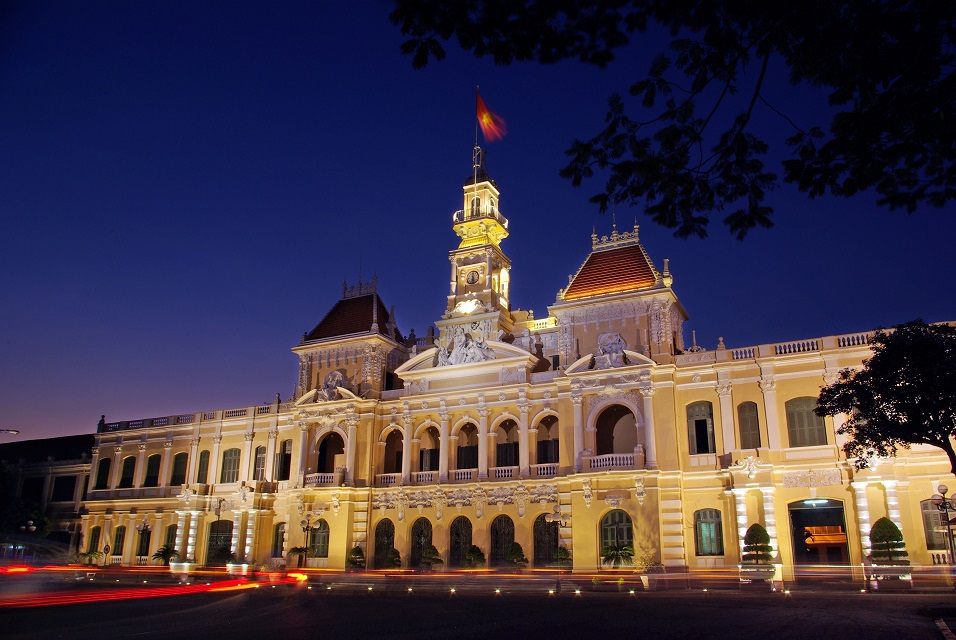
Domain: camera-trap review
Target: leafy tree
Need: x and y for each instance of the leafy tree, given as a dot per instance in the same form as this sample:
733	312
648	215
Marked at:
355	558
474	557
688	141
886	540
562	557
166	553
393	559
904	394
621	555
757	545
516	557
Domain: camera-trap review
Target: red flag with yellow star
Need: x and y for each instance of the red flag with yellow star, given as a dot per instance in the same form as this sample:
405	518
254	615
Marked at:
492	125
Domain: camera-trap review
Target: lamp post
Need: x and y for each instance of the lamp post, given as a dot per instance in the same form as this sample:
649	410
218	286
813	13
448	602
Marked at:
310	523
945	505
144	528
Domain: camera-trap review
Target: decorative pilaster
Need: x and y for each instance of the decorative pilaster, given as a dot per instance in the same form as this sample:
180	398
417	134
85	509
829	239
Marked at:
579	430
407	430
893	502
140	472
164	467
214	460
770	519
192	463
117	465
443	447
236	532
193	529
769	388
863	514
244	460
726	415
524	465
271	453
249	550
182	536
352	446
302	456
740	506
482	442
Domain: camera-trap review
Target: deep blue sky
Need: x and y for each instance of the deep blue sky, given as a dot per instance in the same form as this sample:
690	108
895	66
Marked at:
184	185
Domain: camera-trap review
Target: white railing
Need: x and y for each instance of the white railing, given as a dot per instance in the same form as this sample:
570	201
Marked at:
801	346
546	470
424	477
316	479
853	340
613	461
747	353
188	419
503	472
463	475
263	410
545	323
388	479
234	413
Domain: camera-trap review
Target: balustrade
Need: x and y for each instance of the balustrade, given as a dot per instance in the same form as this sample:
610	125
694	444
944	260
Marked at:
388	479
463	475
503	472
319	479
613	461
546	470
424	477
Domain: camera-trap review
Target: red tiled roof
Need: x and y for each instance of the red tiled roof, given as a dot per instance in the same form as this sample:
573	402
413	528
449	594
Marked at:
611	271
353	315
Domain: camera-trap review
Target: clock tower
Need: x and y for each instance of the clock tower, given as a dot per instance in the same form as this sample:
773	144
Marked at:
479	295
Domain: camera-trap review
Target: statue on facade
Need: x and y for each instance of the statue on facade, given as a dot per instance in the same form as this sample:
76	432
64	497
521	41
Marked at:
465	349
610	351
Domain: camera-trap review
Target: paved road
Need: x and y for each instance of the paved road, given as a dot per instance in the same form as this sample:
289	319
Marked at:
287	612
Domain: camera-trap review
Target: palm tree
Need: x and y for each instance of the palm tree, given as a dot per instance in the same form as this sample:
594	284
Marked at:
300	553
620	555
166	553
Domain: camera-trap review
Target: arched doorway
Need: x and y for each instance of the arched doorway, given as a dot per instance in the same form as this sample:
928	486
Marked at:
393	453
545	541
428	450
506	444
384	542
219	545
818	531
459	539
502	537
548	440
331	446
421	540
468	447
616	431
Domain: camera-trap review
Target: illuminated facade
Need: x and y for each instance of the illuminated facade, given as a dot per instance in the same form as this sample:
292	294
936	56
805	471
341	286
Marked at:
594	427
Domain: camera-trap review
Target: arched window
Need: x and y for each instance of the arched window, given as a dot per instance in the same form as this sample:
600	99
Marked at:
708	533
230	466
394	447
259	464
545	541
420	541
502	537
202	470
700	426
468	447
119	539
284	460
617	530
805	428
319	540
475	206
616	431
145	535
331	446
129	469
180	463
507	444
94	539
152	471
102	474
748	425
170	540
278	540
548	440
934	526
459	539
384	542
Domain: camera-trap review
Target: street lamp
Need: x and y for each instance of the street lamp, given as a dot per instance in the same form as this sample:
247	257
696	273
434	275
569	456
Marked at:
29	526
144	528
945	506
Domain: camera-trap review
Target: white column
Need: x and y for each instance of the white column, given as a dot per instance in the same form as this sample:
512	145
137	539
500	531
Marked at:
164	467
302	458
236	531
770	517
213	477
769	388
862	515
443	448
578	431
350	451
650	444
271	454
193	462
247	554
407	449
726	416
482	442
893	503
244	459
181	535
191	539
740	504
453	446
524	468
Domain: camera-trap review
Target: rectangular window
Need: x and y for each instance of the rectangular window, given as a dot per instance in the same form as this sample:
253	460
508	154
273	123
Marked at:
748	425
278	540
700	424
230	466
64	488
507	454
467	457
171	536
934	526
259	469
284	461
119	539
707	533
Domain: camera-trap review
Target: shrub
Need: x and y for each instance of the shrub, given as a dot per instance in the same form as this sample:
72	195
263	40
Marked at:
621	555
430	556
886	540
562	557
757	545
474	557
355	558
515	556
393	559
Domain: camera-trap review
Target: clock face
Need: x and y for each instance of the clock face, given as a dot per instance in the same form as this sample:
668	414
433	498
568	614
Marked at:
472	277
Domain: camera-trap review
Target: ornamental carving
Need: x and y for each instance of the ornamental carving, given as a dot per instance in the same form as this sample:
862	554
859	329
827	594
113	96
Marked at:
813	478
479	499
520	496
336	503
767	383
439	501
613	500
464	349
610	351
639	491
586	491
724	388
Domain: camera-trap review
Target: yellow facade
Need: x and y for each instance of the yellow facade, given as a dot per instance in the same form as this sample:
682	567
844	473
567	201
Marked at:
391	441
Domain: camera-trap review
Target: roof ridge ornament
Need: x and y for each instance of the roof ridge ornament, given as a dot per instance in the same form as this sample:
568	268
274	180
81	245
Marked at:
616	239
360	289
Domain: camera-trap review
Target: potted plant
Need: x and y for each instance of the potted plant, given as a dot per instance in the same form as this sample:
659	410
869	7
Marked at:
430	557
355	559
755	567
890	567
650	569
300	554
165	554
515	556
474	557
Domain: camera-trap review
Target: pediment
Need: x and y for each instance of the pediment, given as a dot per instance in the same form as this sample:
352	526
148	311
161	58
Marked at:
499	355
589	363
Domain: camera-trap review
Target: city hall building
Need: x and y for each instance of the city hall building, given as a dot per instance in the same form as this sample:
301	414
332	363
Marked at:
595	427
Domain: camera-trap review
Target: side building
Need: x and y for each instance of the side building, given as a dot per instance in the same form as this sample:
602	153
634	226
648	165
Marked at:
590	429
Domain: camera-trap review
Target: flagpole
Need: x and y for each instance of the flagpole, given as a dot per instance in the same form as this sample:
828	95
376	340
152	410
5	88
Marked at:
475	154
